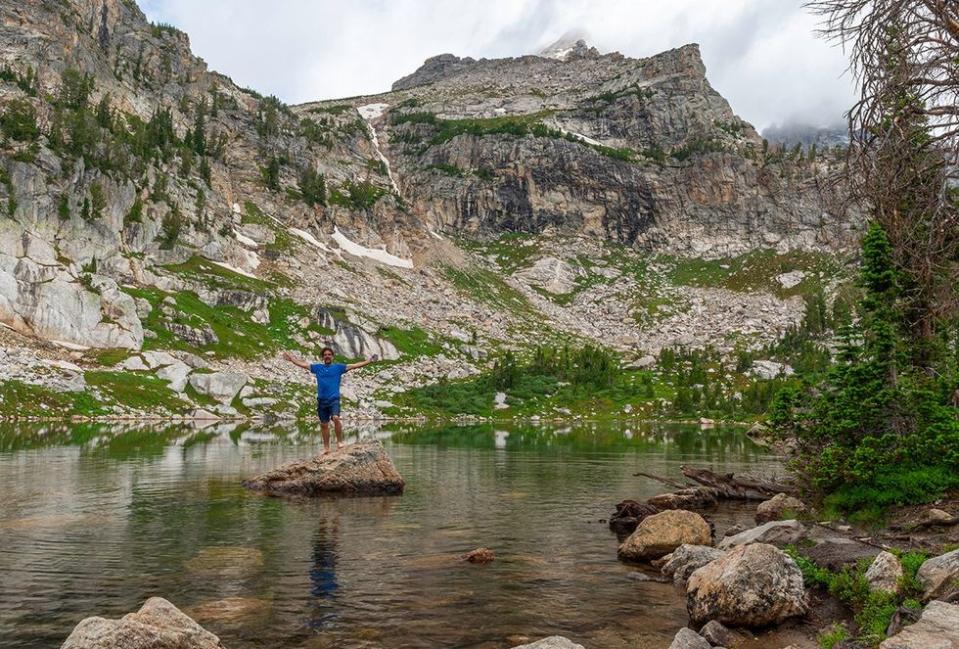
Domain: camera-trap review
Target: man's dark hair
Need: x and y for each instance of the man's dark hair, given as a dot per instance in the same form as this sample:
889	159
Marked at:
327	349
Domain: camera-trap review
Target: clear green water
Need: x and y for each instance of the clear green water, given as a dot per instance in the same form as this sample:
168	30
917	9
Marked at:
95	519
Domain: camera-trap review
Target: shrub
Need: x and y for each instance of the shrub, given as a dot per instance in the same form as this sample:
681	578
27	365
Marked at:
170	228
19	121
358	195
312	187
875	431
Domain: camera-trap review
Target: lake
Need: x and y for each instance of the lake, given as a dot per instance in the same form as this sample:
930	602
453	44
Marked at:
94	519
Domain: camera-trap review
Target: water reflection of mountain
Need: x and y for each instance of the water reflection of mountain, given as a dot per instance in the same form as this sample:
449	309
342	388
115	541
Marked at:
144	440
683	439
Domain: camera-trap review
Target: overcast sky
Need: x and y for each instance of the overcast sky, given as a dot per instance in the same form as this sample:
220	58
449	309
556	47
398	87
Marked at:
762	55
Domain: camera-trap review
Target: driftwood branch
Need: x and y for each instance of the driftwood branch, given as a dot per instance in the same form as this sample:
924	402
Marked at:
665	481
733	487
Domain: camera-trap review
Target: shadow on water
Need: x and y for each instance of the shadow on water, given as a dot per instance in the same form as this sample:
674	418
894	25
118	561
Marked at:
96	518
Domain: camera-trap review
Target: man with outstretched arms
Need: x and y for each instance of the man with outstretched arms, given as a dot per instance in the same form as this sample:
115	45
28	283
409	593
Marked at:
328	376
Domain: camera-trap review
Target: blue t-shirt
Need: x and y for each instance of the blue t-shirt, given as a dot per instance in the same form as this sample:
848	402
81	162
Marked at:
328	380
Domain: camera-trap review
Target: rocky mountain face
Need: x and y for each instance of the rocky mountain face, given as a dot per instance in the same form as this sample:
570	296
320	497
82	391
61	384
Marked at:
152	205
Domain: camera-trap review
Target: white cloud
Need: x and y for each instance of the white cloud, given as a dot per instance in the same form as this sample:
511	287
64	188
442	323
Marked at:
763	56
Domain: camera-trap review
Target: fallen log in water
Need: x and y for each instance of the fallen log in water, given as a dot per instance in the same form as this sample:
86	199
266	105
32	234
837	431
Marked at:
733	487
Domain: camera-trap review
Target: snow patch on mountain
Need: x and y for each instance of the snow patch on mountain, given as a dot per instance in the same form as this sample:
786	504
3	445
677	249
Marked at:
375	254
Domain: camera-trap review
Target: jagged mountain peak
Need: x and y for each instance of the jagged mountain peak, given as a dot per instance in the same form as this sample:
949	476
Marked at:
572	44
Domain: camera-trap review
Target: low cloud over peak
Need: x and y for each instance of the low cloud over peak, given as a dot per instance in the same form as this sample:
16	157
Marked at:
762	56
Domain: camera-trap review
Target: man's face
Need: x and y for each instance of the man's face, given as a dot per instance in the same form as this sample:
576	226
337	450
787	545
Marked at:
327	357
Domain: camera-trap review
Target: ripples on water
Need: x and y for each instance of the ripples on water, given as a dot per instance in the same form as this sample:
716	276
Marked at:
96	519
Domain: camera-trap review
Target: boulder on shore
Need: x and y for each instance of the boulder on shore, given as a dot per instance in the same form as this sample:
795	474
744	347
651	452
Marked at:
359	470
689	639
779	507
939	576
774	532
687	559
937	628
157	625
753	585
662	533
884	573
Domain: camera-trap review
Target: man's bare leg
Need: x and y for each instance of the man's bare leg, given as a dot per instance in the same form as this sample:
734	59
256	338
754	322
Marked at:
325	431
338	428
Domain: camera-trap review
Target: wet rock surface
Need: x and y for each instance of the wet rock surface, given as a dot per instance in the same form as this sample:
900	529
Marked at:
359	469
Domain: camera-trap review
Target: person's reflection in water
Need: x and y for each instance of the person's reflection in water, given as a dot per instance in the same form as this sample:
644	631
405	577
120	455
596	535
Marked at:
323	573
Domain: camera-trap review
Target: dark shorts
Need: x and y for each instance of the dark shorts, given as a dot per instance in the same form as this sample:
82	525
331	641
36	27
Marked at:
326	409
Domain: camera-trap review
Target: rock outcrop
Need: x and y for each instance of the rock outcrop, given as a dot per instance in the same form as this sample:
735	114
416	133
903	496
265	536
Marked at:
157	625
660	534
220	386
751	586
357	470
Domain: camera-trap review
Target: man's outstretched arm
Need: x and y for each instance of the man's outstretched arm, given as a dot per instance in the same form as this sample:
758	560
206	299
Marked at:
356	366
296	360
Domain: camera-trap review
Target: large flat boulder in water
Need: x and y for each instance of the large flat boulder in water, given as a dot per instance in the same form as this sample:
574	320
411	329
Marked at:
157	625
358	470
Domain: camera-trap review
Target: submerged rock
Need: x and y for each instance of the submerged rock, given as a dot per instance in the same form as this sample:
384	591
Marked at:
479	555
226	562
157	625
751	586
662	533
233	611
359	469
938	628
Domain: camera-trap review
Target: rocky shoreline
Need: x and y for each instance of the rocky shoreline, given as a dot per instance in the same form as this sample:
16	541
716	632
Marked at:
751	587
